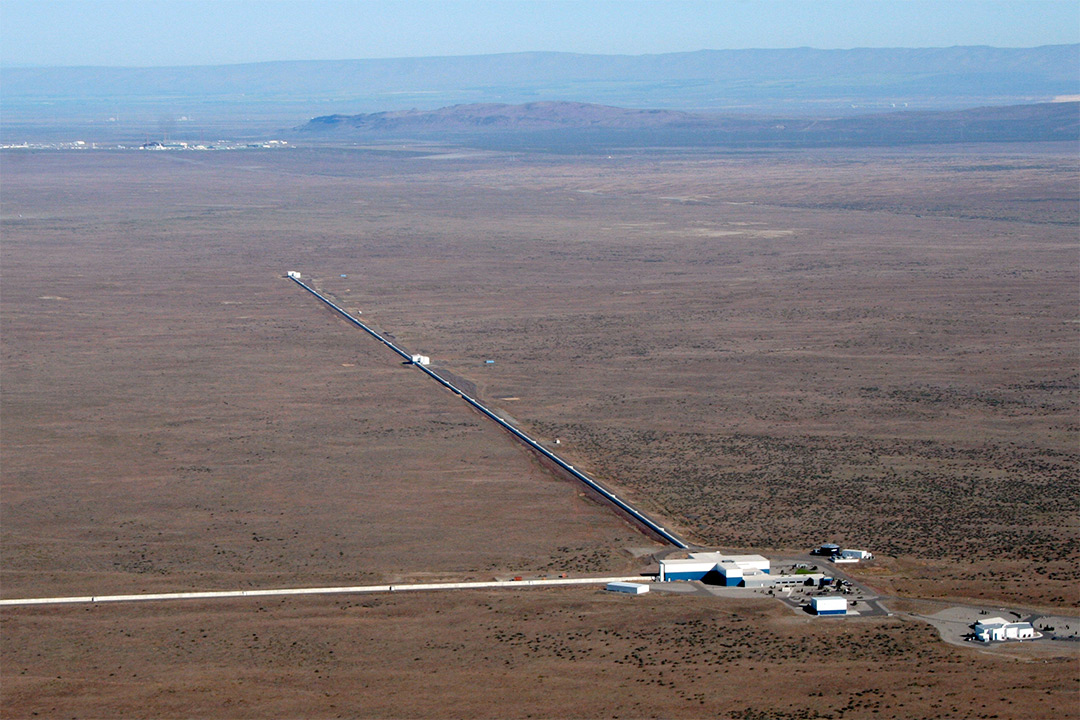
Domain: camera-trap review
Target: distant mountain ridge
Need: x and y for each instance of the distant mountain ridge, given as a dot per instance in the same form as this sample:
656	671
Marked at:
501	116
799	81
700	80
1046	64
555	124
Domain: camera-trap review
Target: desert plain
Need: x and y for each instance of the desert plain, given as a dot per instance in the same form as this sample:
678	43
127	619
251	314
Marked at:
767	350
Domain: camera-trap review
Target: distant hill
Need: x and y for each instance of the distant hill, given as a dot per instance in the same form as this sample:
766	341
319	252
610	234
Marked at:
797	81
556	125
500	116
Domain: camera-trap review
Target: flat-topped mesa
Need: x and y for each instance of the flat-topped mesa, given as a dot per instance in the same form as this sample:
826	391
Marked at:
587	123
493	116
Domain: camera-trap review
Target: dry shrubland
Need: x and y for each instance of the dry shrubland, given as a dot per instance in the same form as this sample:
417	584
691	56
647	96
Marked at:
766	350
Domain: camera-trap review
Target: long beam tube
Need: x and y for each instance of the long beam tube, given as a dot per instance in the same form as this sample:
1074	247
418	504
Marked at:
224	594
608	495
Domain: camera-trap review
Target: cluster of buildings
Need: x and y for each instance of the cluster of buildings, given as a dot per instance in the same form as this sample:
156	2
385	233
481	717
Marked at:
219	145
149	145
71	145
747	571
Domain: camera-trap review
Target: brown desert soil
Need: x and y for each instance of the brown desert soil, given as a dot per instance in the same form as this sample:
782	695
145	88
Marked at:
506	654
767	351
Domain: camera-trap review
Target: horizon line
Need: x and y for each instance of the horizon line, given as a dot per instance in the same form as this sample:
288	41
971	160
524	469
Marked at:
34	66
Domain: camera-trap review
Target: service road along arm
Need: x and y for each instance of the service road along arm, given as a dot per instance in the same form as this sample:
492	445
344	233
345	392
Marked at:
640	517
356	589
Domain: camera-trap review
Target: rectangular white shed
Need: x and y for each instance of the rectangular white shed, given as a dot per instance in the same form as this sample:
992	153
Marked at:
829	605
627	587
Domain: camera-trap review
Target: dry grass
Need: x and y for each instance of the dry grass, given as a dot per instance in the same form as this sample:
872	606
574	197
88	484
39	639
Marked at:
543	653
768	351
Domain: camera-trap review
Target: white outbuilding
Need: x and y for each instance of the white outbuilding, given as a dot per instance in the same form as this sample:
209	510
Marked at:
421	360
829	605
293	274
627	587
996	629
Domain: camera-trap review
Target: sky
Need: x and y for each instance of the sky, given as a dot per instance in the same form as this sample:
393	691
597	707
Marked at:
150	33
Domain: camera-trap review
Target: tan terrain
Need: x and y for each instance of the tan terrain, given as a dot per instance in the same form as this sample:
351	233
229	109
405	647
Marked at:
767	351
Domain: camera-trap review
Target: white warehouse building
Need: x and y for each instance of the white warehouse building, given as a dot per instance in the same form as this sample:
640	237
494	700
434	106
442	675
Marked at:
997	629
715	568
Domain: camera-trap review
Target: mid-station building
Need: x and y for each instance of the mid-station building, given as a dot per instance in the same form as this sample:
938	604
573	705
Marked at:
997	629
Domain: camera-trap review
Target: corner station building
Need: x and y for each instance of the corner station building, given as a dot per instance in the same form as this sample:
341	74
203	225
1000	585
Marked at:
716	568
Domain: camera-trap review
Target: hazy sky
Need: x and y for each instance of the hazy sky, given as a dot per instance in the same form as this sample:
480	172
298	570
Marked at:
204	32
